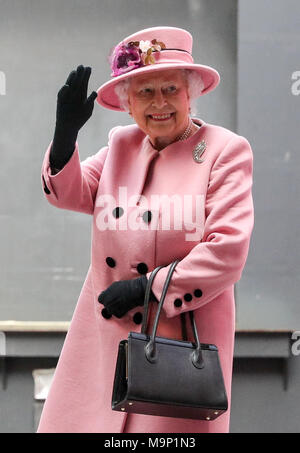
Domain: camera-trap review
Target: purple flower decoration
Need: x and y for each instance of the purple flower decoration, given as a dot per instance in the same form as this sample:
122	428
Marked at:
124	58
135	54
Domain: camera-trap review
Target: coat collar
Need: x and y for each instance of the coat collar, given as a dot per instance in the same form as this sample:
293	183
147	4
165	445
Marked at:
149	151
133	166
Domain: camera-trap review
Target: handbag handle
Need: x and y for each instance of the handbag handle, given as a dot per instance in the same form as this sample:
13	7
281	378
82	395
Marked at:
146	300
150	348
146	306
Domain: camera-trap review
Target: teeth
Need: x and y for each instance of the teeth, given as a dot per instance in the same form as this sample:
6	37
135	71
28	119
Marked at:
161	117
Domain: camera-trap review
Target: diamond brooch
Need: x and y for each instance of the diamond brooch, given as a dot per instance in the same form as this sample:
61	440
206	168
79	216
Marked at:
198	151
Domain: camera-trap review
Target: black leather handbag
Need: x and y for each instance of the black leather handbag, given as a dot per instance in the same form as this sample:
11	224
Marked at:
167	377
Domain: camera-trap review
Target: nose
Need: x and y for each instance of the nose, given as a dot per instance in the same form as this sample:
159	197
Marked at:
159	99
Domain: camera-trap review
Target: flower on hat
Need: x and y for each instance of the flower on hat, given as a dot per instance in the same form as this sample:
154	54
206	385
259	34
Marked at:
124	58
135	54
145	45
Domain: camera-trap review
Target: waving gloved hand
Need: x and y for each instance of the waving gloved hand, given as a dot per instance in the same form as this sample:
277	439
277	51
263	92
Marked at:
123	295
72	112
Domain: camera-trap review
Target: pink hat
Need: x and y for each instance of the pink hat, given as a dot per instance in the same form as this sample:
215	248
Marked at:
150	50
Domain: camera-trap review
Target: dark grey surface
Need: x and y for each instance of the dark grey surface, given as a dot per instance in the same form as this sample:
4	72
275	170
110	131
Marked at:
260	402
33	344
49	344
18	409
45	251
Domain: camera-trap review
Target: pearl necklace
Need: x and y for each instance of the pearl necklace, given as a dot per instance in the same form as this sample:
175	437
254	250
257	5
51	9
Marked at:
186	133
184	136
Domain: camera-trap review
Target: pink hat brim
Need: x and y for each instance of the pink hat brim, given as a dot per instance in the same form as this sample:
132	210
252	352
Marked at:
109	99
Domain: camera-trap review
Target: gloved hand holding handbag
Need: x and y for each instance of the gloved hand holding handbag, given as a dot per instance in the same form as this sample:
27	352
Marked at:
123	295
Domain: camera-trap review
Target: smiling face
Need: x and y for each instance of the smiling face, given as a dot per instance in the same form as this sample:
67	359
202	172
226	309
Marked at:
159	104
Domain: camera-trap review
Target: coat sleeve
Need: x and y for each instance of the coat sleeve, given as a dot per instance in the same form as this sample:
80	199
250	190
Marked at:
75	186
218	260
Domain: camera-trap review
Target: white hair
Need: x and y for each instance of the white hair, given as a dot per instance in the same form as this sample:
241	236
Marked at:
194	83
195	87
121	90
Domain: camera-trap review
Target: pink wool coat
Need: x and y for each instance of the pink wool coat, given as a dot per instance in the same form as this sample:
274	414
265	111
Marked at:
211	262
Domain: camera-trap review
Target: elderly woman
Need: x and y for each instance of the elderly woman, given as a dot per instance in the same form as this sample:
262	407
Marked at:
170	187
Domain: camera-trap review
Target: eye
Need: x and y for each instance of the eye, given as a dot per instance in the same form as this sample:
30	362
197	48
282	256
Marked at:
170	89
145	91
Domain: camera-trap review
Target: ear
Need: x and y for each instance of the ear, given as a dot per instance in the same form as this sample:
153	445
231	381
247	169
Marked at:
189	100
190	108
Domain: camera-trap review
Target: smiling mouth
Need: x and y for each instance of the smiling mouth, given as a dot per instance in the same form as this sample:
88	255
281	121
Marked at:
161	117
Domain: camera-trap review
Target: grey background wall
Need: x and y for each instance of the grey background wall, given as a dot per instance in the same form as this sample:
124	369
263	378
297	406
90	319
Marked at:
268	106
268	112
45	252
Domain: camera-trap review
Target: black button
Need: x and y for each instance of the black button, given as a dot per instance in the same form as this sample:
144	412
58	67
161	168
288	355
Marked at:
188	297
110	261
197	293
105	314
147	216
142	268
137	317
177	302
118	211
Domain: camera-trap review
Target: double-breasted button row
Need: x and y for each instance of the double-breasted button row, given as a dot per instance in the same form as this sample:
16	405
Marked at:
119	211
142	268
137	317
187	297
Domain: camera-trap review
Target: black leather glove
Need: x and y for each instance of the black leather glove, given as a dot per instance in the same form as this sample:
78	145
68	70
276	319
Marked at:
72	112
123	295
